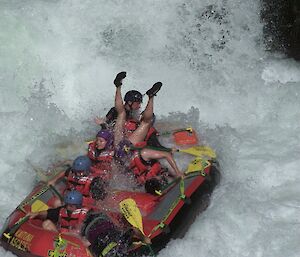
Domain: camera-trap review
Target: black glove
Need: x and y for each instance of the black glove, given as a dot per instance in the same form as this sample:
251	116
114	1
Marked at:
118	80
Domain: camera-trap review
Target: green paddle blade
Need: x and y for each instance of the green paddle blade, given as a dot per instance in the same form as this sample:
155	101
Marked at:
200	151
132	213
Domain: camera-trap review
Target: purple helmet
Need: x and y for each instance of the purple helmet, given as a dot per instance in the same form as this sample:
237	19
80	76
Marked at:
107	135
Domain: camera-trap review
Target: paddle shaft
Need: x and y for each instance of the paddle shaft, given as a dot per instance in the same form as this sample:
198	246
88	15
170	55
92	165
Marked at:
15	227
170	132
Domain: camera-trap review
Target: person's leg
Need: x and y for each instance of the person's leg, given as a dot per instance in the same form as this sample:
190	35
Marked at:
149	154
140	133
119	105
148	112
121	118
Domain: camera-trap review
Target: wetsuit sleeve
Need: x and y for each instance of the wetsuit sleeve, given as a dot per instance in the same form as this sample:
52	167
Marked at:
111	115
53	214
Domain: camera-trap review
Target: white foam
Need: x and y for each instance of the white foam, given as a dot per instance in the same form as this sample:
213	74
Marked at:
59	60
283	71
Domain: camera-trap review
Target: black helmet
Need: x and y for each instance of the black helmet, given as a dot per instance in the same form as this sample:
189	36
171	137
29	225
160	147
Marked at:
133	96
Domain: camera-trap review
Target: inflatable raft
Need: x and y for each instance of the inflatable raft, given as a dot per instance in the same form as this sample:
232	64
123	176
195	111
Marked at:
161	217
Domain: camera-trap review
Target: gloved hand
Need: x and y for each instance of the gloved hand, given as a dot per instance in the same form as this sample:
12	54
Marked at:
118	80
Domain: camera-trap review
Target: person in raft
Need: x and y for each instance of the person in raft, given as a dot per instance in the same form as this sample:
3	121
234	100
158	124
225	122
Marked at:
123	143
67	218
111	235
99	230
79	177
101	153
132	104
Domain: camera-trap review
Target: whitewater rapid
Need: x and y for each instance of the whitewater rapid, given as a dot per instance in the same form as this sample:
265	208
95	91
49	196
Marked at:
58	59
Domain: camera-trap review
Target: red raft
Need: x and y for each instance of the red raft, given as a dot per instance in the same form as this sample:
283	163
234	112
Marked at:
164	216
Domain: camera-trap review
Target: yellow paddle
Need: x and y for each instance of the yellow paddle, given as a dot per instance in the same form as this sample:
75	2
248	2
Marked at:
199	151
198	164
37	206
133	215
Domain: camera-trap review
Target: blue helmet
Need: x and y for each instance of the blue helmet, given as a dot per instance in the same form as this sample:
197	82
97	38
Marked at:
82	163
133	96
73	197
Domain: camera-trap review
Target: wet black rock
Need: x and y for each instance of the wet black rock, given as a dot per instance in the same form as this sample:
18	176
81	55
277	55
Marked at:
282	26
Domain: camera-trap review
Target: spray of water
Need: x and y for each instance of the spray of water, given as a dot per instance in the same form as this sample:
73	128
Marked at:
58	60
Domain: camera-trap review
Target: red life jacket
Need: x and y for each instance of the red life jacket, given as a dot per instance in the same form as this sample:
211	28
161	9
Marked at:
144	170
101	165
71	222
89	202
81	184
99	156
130	126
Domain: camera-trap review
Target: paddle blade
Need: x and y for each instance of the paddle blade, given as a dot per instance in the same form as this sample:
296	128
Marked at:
132	213
200	151
197	165
38	205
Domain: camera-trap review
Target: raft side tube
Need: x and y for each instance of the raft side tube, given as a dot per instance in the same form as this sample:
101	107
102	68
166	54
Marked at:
186	216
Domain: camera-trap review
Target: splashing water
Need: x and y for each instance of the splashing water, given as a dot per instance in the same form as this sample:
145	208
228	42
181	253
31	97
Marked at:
58	60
